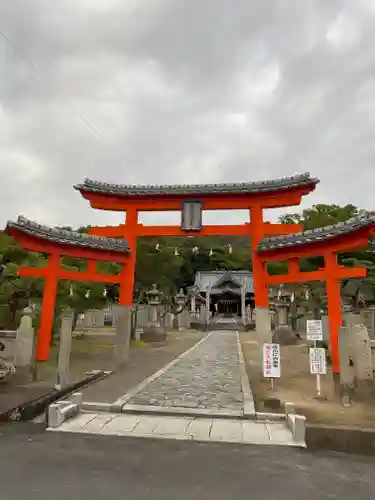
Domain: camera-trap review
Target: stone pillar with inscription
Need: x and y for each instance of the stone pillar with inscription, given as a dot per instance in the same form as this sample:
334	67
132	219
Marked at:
65	350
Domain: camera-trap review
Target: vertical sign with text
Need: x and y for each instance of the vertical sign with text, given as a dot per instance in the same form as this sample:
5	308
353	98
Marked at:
318	364
191	216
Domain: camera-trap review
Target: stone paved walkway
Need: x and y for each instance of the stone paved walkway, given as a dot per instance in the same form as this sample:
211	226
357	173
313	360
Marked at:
184	428
208	377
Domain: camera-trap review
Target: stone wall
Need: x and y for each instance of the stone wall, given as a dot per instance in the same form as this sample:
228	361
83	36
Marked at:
98	318
93	318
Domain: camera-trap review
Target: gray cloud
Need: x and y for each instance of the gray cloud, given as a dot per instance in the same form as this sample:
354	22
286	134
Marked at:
183	91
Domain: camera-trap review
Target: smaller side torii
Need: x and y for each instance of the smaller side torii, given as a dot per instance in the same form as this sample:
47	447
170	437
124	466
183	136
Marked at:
328	242
57	243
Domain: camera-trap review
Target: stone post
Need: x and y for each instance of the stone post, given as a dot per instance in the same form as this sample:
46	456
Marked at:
123	333
169	321
263	325
243	305
64	350
282	314
192	304
202	314
101	318
25	344
263	332
208	302
249	312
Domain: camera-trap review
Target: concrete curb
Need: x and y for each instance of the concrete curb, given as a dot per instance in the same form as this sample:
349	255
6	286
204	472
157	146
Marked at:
248	399
296	424
61	411
91	406
30	409
179	411
120	402
273	417
344	439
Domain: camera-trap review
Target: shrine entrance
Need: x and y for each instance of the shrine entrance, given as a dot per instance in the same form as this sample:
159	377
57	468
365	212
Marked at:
228	305
270	242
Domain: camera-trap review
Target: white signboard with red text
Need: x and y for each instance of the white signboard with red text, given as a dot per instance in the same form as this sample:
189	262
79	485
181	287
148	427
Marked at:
271	361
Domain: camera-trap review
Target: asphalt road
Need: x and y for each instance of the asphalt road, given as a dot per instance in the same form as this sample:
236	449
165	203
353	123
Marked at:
37	465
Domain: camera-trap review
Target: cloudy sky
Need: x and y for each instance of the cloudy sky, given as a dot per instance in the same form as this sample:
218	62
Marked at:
183	91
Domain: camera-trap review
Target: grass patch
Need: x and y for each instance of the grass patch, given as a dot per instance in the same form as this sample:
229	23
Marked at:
137	343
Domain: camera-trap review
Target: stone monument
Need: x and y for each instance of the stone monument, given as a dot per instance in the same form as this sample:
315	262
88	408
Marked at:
25	344
64	350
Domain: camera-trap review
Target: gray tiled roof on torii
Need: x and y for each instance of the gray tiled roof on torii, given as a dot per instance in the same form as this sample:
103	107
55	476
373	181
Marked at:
316	235
284	183
67	237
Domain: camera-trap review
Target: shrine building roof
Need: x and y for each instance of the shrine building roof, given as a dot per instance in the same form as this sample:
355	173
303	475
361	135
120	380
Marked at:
236	188
65	236
318	235
215	280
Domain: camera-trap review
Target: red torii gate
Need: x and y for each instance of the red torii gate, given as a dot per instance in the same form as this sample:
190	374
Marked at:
327	242
252	196
57	243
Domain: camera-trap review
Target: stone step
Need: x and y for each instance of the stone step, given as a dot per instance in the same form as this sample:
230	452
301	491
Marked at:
181	428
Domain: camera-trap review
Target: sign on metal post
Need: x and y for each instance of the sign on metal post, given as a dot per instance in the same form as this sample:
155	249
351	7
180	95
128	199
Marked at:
271	361
318	365
314	329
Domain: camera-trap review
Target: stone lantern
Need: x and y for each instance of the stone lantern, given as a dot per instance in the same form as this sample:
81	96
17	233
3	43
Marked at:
180	298
282	306
154	300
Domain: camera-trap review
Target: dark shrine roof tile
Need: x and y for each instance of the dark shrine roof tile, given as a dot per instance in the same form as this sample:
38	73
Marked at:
316	235
67	237
127	190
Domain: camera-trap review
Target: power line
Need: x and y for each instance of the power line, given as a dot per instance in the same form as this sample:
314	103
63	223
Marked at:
23	56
